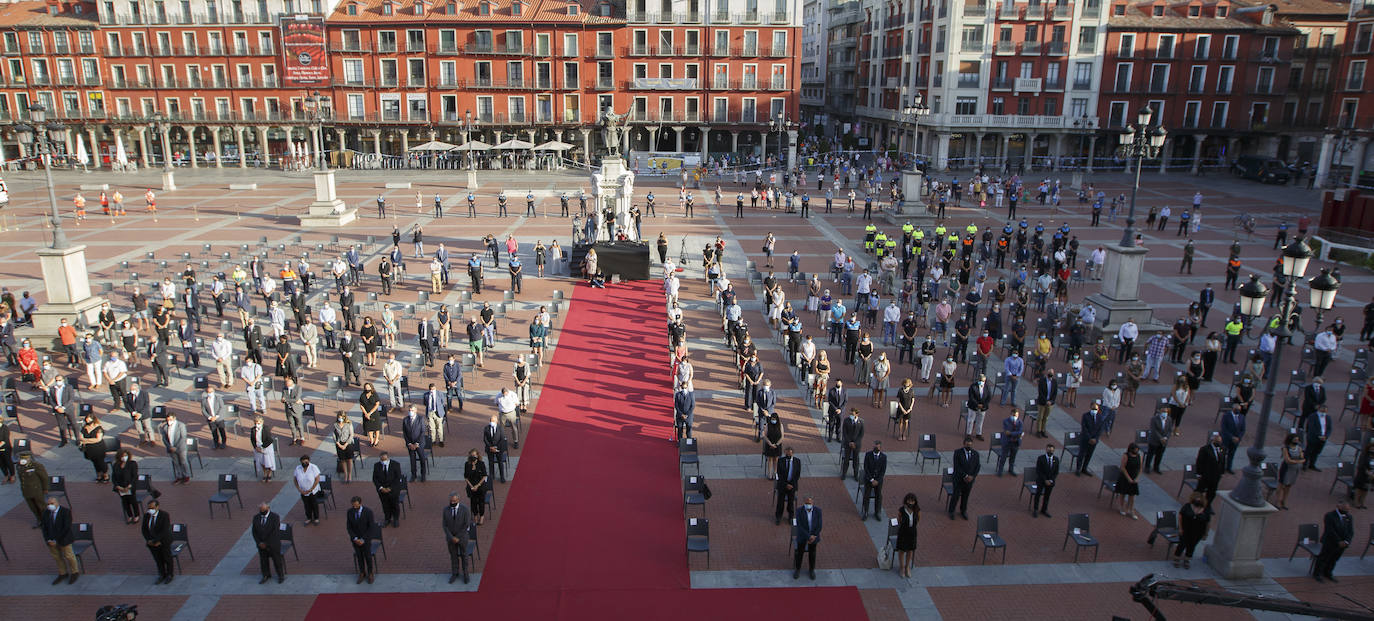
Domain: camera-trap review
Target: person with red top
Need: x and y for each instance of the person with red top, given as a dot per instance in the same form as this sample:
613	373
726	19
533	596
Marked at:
151	199
104	203
1367	405
66	333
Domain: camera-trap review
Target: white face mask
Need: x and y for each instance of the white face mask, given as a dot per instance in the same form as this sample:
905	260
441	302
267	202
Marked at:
23	462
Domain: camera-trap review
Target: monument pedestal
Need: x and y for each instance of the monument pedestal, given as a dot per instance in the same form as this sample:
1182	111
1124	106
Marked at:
328	209
472	179
615	190
1238	538
1119	299
69	290
169	181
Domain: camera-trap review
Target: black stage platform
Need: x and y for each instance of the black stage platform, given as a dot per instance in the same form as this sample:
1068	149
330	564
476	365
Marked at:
628	259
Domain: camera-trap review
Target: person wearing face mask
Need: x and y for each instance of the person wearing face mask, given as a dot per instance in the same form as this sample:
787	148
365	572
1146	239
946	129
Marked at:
136	402
456	521
173	433
413	432
1157	439
359	526
967	464
56	522
62	398
307	480
267	536
1012	430
875	471
851	436
1210	462
806	534
33	484
387	478
494	441
92	442
1046	472
264	445
477	484
157	535
124	477
907	519
1090	430
1192	528
344	445
979	398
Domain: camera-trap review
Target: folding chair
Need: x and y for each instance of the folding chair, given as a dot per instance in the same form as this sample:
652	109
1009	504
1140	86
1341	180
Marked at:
987	535
57	486
288	540
12	417
181	541
687	454
946	484
228	489
1352	440
691	493
1166	526
926	450
327	489
1345	475
1071	447
1029	484
84	540
193	448
1110	474
699	538
1078	531
1189	480
1309	540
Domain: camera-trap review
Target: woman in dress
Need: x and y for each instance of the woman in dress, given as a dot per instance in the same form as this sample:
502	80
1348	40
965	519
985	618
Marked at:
864	355
1293	460
880	379
1128	482
772	446
475	477
769	246
947	371
777	299
1367	405
556	257
1363	477
1073	378
389	329
907	519
92	443
371	406
343	445
540	257
124	476
1179	400
822	369
1135	371
906	401
128	341
1111	402
368	334
591	261
1192	528
1100	354
1196	369
1211	351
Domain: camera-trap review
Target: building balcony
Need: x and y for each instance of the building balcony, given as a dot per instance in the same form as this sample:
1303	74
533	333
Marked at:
1087	47
1057	48
350	49
975	9
1001	121
356	83
1034	11
1082	85
1091	11
1056	84
1002	84
509	49
1004	47
1030	48
1062	11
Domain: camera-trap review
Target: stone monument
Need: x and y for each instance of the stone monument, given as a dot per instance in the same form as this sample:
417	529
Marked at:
1119	299
328	209
614	184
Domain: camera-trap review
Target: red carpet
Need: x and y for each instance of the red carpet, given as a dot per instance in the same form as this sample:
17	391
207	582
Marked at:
592	526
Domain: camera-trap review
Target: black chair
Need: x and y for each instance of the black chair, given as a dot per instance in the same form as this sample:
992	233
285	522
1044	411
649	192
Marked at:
288	540
691	493
1166	526
1078	530
374	535
57	486
995	447
1110	474
987	535
1029	484
181	541
7	554
308	413
1367	546
85	540
1352	440
143	488
1071	447
327	489
1309	540
926	450
946	484
474	547
12	417
1269	478
1345	475
1189	480
228	490
687	454
193	448
699	538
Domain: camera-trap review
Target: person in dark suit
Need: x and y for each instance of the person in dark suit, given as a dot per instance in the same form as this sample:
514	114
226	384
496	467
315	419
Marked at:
58	533
979	398
1318	429
187	335
1313	397
875	469
1205	298
1046	472
1046	391
1012	430
456	522
684	410
252	341
1208	466
161	361
62	398
494	441
1232	431
267	536
413	432
835	400
359	527
765	404
851	436
806	535
140	410
1161	429
426	338
966	467
386	477
789	475
1090	429
157	535
1338	530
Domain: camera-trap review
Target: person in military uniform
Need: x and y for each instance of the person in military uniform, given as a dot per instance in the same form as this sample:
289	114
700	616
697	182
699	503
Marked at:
33	484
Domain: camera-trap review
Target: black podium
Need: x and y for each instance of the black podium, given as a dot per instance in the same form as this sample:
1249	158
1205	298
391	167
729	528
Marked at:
628	259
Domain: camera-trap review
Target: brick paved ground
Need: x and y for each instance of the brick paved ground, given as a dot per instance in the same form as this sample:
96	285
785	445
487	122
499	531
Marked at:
747	548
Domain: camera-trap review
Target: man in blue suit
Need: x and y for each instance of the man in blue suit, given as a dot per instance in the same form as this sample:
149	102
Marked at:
1090	430
875	470
1232	430
807	533
684	411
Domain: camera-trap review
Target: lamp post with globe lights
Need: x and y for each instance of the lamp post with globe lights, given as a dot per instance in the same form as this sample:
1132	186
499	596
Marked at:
1140	141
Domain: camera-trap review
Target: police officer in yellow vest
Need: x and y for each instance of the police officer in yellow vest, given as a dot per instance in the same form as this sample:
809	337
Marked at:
880	243
891	246
870	232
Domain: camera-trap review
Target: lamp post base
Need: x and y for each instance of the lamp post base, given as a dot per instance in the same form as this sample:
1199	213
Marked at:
169	181
472	179
1238	538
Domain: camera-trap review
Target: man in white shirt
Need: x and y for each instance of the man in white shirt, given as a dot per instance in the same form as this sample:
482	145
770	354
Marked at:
328	323
1324	346
506	405
863	284
223	351
1095	261
307	479
310	338
671	286
891	315
391	372
117	376
277	318
251	372
1128	334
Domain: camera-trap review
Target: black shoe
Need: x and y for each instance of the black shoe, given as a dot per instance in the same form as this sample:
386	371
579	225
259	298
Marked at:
863	515
1316	469
452	578
951	515
777	520
62	577
1317	578
1230	471
1046	514
1331	578
812	574
465	578
281	578
877	516
264	579
72	578
370	578
62	444
964	516
796	573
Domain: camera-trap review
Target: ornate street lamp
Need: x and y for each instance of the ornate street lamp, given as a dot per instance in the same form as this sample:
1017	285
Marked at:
40	137
1141	141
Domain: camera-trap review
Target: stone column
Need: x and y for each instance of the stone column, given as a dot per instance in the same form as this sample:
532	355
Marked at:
791	149
941	150
734	141
238	140
405	141
625	144
1164	153
703	136
1006	151
1357	164
586	144
377	142
70	140
215	142
262	146
142	145
978	146
1030	151
653	139
678	130
1197	153
1232	144
1324	159
191	145
1058	153
1092	148
94	146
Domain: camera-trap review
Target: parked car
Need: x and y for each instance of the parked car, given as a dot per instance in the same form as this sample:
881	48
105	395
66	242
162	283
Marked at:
1262	169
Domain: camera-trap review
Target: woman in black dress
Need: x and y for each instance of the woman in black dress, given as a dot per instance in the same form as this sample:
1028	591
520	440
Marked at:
1196	369
128	337
372	414
475	473
124	476
1192	528
907	518
1128	482
368	334
93	447
286	367
772	446
906	401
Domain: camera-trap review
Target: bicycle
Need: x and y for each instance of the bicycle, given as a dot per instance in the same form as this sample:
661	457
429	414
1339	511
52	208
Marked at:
1245	222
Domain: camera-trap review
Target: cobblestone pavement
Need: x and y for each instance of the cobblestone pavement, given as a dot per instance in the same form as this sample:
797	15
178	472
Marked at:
203	222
